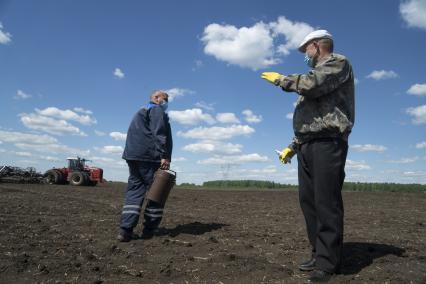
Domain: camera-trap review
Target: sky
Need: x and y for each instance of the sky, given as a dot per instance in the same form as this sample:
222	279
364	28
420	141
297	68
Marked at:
73	74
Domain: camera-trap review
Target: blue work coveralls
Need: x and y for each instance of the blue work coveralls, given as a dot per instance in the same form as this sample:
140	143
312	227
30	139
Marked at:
149	139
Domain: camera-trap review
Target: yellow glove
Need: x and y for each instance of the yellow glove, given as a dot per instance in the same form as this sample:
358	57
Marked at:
272	77
286	155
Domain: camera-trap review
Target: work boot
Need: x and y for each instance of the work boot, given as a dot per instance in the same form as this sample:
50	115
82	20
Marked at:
149	233
126	236
308	265
319	276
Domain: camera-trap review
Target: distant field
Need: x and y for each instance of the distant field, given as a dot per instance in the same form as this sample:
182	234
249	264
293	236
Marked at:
371	187
65	234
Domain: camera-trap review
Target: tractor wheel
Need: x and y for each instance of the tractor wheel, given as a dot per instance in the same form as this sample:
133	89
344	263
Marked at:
86	178
52	177
77	178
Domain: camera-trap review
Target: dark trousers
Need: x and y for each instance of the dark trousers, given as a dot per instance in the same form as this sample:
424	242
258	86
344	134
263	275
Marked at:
321	165
141	176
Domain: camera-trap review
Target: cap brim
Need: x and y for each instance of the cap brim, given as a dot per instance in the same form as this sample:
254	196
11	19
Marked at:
302	48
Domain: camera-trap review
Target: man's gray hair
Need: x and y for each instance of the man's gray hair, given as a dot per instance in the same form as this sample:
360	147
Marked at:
156	92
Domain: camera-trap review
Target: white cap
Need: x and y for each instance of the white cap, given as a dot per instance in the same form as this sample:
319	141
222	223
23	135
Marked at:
314	35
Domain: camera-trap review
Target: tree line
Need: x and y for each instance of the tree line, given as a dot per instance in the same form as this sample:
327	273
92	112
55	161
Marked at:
347	186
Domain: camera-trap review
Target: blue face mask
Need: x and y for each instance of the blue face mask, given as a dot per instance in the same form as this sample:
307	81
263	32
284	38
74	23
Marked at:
309	61
164	105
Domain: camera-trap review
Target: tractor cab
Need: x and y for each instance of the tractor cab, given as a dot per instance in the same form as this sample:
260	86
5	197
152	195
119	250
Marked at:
76	164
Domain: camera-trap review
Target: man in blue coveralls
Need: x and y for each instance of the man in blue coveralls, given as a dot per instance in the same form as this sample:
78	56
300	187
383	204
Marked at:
148	148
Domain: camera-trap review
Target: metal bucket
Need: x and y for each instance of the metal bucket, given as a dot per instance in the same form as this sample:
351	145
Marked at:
164	180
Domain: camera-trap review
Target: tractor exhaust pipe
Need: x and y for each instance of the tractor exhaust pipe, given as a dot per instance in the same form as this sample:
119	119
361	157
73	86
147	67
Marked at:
164	180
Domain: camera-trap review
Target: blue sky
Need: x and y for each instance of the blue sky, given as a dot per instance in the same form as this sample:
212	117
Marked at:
73	73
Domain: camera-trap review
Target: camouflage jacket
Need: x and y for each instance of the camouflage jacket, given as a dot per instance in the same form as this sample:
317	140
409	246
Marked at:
326	104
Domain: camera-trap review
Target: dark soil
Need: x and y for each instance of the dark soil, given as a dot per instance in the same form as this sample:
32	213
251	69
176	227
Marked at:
66	234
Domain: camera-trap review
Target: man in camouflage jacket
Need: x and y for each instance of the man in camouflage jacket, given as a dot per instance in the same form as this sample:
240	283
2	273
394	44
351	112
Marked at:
322	121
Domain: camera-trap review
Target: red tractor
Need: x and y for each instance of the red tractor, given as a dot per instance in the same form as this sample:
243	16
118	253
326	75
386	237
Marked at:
77	173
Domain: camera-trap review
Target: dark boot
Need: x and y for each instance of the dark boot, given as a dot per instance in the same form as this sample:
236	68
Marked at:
308	265
319	276
126	236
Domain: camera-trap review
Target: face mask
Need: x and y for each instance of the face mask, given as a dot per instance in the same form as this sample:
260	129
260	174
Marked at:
309	61
164	105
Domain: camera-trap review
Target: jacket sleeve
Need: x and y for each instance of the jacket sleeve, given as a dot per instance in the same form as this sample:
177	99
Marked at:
170	147
320	81
158	125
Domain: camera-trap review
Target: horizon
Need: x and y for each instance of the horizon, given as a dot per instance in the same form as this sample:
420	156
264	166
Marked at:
75	72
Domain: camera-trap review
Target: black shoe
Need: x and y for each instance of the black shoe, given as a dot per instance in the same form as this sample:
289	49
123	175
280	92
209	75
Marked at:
308	265
319	276
126	236
146	235
150	233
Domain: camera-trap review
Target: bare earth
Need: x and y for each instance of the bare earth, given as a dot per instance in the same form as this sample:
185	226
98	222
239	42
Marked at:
65	234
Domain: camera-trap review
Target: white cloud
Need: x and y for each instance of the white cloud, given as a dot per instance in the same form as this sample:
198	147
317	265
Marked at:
262	171
118	73
118	136
240	159
49	158
67	114
356	81
253	47
52	148
405	160
19	137
50	125
415	173
198	64
179	159
289	116
34	157
368	148
227	117
177	92
213	147
100	133
191	116
205	106
5	37
417	90
55	121
413	12
82	110
111	149
250	117
103	159
356	166
22	154
26	163
418	113
250	47
106	162
421	145
217	133
20	95
294	33
382	74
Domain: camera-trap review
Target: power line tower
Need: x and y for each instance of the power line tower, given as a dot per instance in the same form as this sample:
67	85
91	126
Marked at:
225	168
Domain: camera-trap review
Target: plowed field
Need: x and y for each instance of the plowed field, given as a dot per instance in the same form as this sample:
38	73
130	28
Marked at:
65	234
